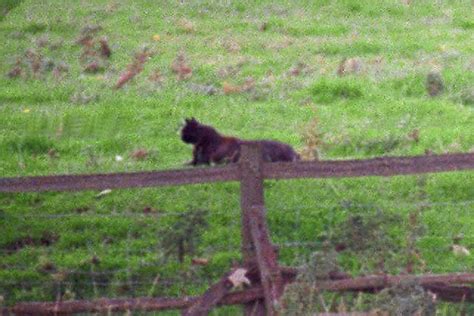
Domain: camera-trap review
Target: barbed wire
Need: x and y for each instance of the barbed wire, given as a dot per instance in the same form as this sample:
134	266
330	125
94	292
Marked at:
392	204
148	259
142	214
272	209
234	247
208	250
167	282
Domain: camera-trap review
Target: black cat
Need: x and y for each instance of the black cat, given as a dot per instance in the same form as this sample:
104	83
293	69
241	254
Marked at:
210	146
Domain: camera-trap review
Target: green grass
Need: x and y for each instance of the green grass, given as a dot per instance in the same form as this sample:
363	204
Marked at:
6	6
48	127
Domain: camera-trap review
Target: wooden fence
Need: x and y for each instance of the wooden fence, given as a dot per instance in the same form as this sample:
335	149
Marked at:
260	267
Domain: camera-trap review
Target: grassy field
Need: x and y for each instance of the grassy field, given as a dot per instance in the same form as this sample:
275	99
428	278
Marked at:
335	79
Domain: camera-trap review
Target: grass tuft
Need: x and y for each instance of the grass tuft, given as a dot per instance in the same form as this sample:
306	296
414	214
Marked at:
30	144
35	28
327	90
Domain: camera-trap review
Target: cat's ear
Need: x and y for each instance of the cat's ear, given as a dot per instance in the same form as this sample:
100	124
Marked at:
186	120
193	120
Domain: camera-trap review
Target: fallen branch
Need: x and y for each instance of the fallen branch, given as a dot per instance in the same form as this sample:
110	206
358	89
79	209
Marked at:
452	293
121	305
376	282
438	284
216	292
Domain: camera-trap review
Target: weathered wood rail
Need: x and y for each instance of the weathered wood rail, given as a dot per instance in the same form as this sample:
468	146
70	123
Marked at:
259	255
386	166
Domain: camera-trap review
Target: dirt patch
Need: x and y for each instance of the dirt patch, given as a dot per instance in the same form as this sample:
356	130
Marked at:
46	239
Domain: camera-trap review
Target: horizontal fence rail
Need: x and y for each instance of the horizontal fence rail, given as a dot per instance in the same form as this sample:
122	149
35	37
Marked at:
119	180
386	166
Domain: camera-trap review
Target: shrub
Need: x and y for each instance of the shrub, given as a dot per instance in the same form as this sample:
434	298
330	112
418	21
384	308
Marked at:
184	234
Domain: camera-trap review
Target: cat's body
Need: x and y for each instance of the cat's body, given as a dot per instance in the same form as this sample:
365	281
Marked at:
212	147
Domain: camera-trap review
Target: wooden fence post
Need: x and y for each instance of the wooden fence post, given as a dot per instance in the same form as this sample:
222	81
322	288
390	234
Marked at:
251	193
270	274
256	246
